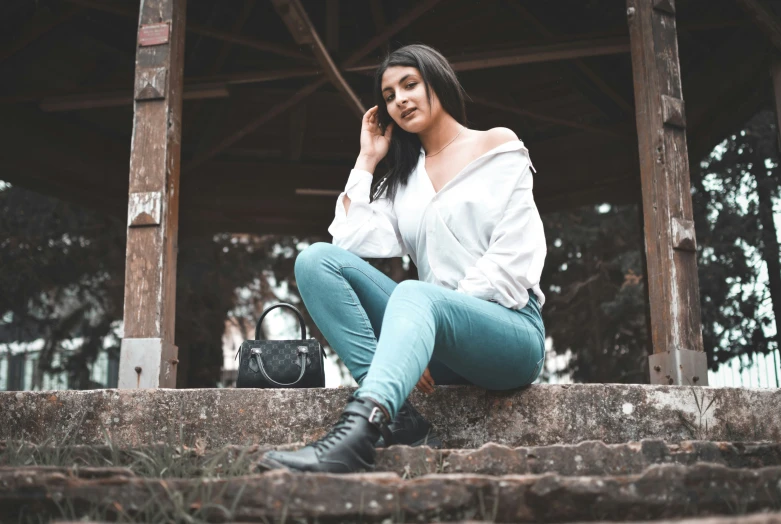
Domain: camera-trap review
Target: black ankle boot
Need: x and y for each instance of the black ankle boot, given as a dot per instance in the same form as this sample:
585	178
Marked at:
347	448
411	429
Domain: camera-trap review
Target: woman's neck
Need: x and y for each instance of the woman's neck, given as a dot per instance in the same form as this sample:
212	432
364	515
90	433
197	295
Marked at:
439	134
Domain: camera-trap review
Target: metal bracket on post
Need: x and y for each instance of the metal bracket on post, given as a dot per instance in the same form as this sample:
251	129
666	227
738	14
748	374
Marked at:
147	363
679	367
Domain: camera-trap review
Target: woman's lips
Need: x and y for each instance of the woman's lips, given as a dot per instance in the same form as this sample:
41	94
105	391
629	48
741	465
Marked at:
409	113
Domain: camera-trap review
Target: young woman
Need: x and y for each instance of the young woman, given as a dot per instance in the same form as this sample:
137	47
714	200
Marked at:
459	202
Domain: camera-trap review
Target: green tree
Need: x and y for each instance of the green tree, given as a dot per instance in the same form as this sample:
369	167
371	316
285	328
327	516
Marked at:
63	279
593	277
595	305
733	194
59	278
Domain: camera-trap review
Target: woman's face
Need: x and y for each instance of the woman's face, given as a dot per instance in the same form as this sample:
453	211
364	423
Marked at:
405	99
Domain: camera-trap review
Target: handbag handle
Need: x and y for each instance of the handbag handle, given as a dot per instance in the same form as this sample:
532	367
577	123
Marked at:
302	351
297	312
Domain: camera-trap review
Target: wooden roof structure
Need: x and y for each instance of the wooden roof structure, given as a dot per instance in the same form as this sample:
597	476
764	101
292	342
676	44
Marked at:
243	116
267	140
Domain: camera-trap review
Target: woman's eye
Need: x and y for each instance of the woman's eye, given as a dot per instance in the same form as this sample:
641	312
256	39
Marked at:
389	98
411	84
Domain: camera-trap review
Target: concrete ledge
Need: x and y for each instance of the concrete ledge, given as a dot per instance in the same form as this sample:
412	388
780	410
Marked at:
466	417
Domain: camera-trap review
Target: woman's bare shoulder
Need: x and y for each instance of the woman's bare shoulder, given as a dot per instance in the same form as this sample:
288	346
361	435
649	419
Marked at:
495	137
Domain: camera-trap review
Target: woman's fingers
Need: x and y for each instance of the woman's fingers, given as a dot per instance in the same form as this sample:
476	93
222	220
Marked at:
425	388
367	116
428	377
426	382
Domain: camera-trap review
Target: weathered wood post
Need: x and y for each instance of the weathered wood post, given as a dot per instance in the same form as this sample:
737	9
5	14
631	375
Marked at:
149	357
670	244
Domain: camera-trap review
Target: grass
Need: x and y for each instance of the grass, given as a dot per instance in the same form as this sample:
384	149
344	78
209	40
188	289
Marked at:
698	429
163	460
167	460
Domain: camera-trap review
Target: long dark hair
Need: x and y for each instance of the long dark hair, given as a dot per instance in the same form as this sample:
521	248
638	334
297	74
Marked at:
404	149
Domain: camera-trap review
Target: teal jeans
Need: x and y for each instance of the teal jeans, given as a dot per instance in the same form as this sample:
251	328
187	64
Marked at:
388	333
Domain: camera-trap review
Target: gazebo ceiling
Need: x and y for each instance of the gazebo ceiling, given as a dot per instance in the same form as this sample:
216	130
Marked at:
262	125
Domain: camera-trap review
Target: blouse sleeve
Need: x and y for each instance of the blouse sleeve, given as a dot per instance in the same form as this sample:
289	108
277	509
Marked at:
513	262
370	229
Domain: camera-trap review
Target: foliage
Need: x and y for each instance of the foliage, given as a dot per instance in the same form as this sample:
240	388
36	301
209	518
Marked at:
595	295
63	279
727	209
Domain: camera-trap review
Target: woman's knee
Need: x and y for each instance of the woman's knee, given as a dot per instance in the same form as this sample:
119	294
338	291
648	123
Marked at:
311	260
413	291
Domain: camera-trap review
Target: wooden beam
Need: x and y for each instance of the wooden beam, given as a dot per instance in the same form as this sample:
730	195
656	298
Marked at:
304	32
332	25
54	181
222	56
297	131
745	101
378	17
248	128
300	95
148	355
510	108
764	19
703	88
383	36
259	77
667	206
25	132
123	98
252	43
565	50
194	83
238	25
541	53
579	70
41	24
471	62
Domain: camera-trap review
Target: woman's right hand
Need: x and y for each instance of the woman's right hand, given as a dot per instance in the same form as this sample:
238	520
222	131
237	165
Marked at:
374	143
426	382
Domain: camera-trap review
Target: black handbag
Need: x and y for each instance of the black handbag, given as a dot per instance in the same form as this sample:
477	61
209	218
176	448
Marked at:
281	363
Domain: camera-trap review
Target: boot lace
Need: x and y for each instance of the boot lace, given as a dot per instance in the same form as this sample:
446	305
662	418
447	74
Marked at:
336	434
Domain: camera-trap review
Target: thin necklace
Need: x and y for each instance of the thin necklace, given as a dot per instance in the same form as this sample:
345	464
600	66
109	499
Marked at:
454	139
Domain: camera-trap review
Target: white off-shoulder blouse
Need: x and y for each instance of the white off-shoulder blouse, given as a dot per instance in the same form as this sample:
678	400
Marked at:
481	234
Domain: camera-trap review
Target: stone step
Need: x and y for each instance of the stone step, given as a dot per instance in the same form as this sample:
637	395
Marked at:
465	417
660	492
591	458
757	518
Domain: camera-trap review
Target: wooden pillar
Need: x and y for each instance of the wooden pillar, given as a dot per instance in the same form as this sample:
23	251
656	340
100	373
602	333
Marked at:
149	357
670	244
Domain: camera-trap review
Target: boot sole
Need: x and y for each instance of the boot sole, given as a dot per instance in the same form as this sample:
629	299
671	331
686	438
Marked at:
432	442
264	465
